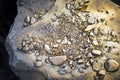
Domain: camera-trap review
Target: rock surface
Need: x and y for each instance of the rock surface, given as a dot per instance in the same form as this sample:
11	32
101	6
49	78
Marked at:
57	31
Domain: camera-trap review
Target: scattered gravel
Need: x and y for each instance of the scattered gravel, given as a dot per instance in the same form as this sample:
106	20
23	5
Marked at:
78	40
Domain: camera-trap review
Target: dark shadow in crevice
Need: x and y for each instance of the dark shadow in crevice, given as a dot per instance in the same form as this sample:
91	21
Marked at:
8	12
116	2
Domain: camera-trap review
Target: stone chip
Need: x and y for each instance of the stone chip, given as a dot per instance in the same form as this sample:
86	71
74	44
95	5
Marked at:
58	60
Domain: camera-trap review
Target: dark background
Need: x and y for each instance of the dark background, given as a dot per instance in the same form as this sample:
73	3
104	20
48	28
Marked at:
8	11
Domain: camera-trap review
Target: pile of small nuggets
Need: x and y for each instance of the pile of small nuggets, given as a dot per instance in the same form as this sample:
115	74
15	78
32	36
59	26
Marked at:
77	45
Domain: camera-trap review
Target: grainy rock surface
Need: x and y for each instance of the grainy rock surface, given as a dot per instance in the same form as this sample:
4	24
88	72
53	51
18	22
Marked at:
56	40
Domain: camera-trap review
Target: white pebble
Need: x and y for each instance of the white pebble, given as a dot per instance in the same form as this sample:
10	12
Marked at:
96	31
32	20
58	40
96	52
89	55
47	48
64	41
95	42
27	19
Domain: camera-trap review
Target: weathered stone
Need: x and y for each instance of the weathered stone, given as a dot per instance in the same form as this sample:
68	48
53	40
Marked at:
67	6
87	64
58	60
47	48
27	19
70	62
95	31
111	65
101	72
61	71
89	55
92	20
65	70
38	63
80	61
64	41
92	34
32	20
96	52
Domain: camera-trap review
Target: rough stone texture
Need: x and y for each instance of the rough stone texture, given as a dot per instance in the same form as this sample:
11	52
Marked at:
23	64
58	60
111	65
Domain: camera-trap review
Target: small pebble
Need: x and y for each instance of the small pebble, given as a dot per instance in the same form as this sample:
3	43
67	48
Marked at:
89	55
27	19
80	61
55	45
58	60
61	71
95	31
32	20
96	52
90	27
64	41
96	66
67	69
87	64
81	70
73	40
92	34
91	20
47	48
95	42
38	63
71	62
25	24
58	40
101	72
91	61
111	65
67	6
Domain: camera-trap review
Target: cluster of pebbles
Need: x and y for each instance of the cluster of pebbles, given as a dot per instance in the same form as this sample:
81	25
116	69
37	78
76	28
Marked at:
76	44
31	20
